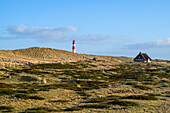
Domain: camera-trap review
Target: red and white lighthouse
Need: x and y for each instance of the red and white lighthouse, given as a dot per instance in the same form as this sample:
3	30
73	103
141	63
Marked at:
74	46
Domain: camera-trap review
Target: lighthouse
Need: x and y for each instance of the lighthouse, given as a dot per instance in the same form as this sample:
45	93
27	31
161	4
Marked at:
74	46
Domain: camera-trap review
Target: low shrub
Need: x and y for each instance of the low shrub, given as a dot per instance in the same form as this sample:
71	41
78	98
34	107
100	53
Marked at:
30	91
6	108
68	72
130	83
73	109
4	85
152	94
43	89
3	70
41	110
83	93
29	86
120	91
166	92
13	74
167	95
124	103
60	101
89	85
115	108
83	65
54	66
25	96
6	91
164	75
36	97
2	78
140	97
103	99
99	106
69	86
22	96
165	85
85	85
29	71
142	87
28	78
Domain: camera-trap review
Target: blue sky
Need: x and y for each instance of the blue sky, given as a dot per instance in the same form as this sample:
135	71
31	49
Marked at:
102	27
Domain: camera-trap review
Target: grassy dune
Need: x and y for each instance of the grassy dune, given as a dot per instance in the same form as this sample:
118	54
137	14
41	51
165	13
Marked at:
36	55
40	80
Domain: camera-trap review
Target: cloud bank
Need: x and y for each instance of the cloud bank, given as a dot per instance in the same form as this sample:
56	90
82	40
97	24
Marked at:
49	34
40	33
150	45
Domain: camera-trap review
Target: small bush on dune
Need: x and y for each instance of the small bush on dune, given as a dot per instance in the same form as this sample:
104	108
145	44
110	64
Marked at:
3	70
88	85
142	87
4	85
83	93
168	95
28	78
54	66
166	92
152	94
70	86
28	86
99	106
41	110
85	85
103	99
25	96
36	97
120	91
43	89
140	97
130	83
68	72
124	103
22	96
6	108
30	91
29	71
164	75
96	106
6	91
60	101
73	109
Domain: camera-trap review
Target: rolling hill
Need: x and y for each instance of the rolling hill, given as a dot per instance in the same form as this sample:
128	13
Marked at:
34	55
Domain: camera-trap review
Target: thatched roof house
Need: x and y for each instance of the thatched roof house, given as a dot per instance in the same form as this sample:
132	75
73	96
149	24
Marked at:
142	57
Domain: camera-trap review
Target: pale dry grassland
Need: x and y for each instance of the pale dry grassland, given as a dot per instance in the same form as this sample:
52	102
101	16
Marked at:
36	55
40	80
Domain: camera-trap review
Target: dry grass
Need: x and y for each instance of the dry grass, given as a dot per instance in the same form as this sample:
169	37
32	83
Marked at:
47	80
36	55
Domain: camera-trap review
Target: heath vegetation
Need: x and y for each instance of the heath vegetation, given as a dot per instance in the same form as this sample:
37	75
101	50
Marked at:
40	80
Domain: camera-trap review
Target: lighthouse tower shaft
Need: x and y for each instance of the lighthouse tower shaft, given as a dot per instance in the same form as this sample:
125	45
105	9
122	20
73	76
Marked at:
74	46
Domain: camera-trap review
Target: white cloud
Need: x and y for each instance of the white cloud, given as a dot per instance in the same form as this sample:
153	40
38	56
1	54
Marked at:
165	42
161	43
26	29
39	32
53	34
